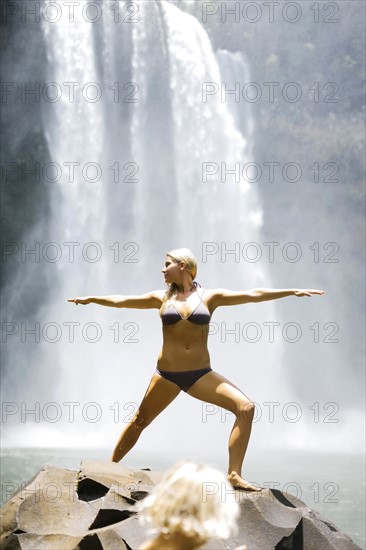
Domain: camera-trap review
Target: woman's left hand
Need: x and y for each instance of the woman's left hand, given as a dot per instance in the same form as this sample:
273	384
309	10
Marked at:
302	292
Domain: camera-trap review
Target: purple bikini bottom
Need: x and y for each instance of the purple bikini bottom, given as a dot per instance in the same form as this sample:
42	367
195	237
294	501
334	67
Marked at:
184	379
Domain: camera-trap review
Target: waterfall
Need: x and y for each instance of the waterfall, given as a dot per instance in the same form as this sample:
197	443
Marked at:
235	71
75	127
166	136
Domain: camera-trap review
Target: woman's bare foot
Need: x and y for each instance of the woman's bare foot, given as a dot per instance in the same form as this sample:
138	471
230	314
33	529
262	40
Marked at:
239	483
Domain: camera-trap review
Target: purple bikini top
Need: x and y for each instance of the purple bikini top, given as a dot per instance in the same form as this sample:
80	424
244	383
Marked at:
199	316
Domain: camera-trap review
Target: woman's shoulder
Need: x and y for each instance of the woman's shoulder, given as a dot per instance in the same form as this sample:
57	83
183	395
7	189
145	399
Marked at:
159	294
209	295
154	298
209	292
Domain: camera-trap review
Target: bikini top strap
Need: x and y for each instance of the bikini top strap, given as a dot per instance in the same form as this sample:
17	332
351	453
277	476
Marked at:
200	295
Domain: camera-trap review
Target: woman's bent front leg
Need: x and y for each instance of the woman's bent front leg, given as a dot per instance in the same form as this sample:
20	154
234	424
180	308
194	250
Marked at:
158	396
214	388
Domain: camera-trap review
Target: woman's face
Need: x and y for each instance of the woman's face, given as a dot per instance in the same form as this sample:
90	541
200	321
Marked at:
172	270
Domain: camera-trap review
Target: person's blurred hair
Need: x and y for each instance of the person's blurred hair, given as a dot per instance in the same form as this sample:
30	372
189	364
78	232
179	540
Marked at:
194	500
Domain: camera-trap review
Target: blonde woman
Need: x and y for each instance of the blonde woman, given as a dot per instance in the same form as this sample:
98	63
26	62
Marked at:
192	504
184	362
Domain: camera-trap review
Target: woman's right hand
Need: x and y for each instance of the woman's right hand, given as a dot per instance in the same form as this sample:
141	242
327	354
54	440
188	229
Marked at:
77	301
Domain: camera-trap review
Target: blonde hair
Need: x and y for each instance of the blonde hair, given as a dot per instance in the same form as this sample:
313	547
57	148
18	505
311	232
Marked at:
181	255
194	500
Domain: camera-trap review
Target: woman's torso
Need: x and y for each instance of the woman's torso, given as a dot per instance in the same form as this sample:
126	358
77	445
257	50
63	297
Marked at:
185	334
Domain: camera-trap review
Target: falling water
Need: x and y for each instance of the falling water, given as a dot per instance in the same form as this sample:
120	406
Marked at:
166	136
74	128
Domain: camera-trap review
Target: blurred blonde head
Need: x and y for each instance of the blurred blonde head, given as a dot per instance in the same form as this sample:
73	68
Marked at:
193	500
181	255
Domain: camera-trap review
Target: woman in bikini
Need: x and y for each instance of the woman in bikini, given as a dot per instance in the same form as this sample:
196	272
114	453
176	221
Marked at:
184	361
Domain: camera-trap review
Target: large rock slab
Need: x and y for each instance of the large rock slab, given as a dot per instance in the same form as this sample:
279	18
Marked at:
94	509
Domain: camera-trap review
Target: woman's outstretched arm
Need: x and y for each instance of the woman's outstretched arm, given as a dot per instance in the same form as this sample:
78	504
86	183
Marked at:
144	301
224	297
